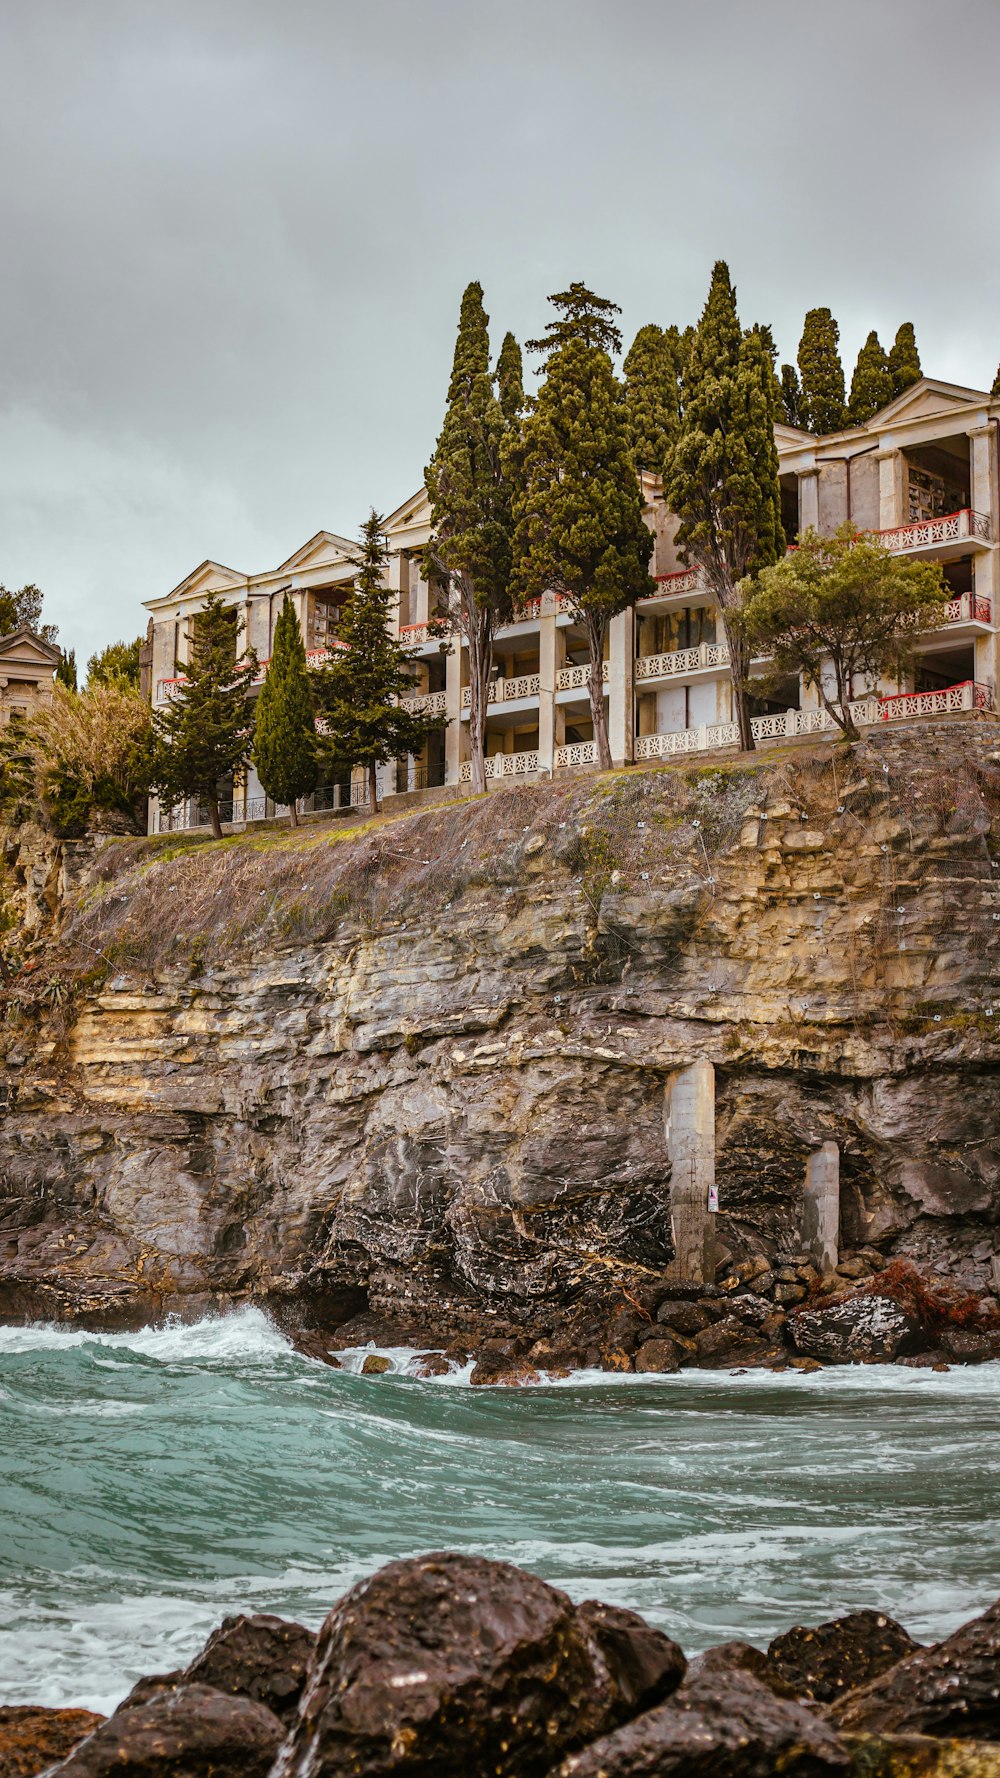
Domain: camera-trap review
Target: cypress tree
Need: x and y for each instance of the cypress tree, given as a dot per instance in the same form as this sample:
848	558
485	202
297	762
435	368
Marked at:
66	670
652	396
577	500
284	744
996	383
510	380
904	359
360	691
871	384
821	373
791	395
205	733
723	481
470	545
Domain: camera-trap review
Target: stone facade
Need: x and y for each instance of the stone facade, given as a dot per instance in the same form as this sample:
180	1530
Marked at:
27	671
923	473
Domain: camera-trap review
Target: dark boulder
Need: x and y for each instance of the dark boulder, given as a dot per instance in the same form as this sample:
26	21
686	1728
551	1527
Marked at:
718	1725
193	1732
644	1665
450	1665
854	1329
32	1738
741	1657
824	1662
658	1355
950	1689
921	1756
683	1318
260	1657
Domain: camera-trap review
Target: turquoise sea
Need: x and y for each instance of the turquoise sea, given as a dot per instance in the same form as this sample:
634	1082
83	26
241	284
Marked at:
152	1482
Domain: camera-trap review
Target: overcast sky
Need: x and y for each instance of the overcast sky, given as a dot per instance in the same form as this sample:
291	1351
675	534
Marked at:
235	234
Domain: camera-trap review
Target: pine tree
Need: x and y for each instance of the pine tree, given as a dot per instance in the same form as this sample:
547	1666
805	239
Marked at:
821	373
116	664
66	670
284	742
510	381
791	395
205	733
577	500
652	396
359	692
470	546
723	481
904	359
996	383
871	384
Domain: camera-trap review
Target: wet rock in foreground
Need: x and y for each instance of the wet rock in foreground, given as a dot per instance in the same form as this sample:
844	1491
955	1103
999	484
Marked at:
952	1689
261	1657
453	1665
718	1725
31	1737
824	1662
193	1732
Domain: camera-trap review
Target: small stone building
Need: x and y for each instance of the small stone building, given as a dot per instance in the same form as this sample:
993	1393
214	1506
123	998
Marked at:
27	672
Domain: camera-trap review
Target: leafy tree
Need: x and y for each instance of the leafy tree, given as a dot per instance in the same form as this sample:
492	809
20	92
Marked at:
118	662
996	384
791	395
577	500
359	692
470	545
78	753
652	396
871	384
904	359
66	670
284	741
723	480
821	373
23	609
842	608
510	380
204	735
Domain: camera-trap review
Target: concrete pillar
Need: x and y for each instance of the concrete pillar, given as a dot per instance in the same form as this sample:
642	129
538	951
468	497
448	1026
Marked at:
808	499
454	752
547	683
821	1208
691	1151
397	575
983	497
621	687
891	489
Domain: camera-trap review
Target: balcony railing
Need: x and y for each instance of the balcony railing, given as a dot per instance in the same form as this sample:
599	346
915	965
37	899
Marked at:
503	765
683	580
426	703
682	660
505	691
969	608
576	753
786	724
533	607
578	678
925	533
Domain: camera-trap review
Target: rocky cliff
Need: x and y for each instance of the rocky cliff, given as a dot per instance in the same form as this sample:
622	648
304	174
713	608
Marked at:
419	1065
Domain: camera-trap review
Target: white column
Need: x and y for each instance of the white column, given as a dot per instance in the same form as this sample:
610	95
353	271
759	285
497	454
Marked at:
821	1208
891	489
808	499
547	653
454	751
691	1150
986	566
621	687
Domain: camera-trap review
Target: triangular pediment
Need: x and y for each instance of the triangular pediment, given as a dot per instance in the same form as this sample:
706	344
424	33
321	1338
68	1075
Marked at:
28	650
413	513
791	437
208	577
926	398
325	547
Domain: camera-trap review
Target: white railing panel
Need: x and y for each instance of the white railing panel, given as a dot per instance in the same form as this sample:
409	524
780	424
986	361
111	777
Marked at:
577	753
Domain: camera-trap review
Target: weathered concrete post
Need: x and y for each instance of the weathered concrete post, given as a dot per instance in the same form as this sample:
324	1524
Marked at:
821	1207
691	1149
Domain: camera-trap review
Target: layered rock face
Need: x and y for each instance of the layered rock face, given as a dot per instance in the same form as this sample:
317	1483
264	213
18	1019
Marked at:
420	1066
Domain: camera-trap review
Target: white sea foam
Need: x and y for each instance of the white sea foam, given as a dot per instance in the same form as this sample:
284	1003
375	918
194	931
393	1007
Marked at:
243	1334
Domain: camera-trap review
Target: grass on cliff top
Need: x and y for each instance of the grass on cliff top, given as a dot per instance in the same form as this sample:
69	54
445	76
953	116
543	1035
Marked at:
186	903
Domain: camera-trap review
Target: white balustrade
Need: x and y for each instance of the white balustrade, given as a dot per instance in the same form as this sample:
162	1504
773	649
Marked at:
577	753
578	678
503	765
969	608
683	581
925	533
682	660
427	703
505	691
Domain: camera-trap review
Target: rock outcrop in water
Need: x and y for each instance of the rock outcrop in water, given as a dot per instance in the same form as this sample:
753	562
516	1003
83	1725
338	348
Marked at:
416	1072
448	1666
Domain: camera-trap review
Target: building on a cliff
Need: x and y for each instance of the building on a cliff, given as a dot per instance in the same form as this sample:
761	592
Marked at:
922	474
